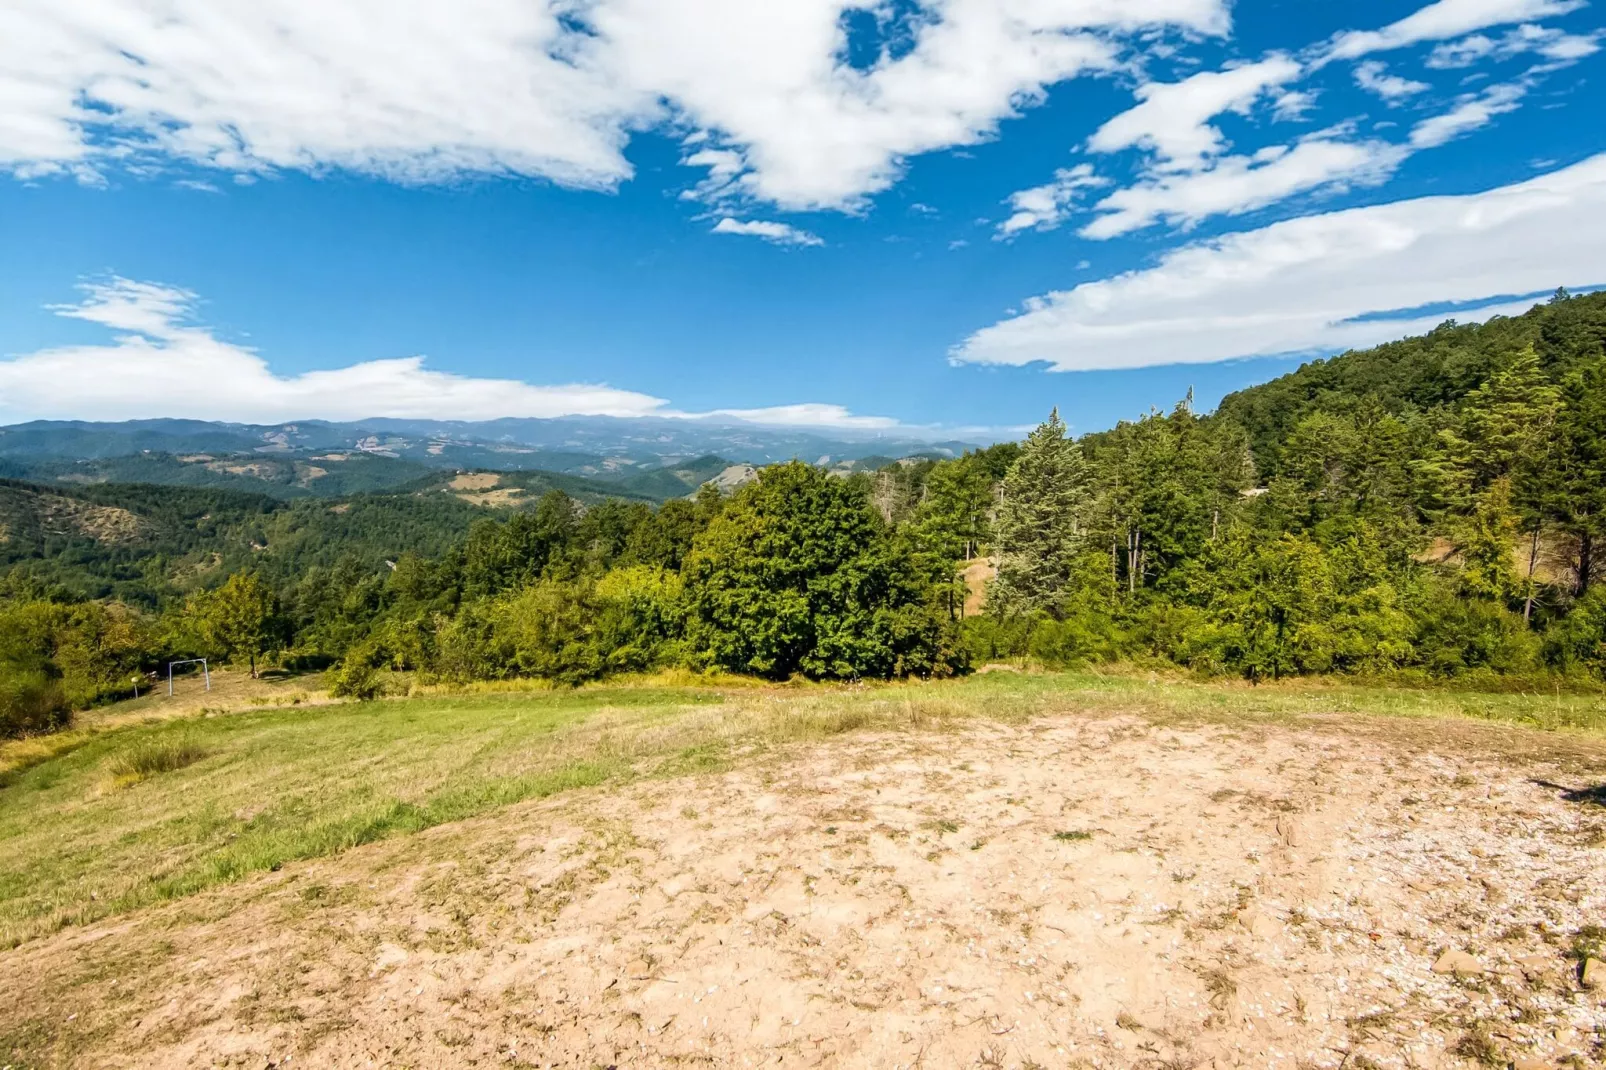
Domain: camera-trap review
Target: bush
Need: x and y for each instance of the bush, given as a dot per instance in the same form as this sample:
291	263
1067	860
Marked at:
990	638
357	678
1459	635
1083	637
32	700
1579	641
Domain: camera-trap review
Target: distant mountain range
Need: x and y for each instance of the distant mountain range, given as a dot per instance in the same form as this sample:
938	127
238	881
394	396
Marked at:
586	457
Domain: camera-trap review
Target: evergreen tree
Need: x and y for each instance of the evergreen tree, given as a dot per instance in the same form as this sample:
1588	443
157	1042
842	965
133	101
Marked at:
1486	541
954	517
1580	467
1038	531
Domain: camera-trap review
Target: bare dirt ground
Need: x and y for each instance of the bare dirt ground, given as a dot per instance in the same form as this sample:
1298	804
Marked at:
1071	892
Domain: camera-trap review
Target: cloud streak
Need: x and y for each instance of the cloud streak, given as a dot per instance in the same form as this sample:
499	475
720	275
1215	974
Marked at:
1444	20
1320	283
777	233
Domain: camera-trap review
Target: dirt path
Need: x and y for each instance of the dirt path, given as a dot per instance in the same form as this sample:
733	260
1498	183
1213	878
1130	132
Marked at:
1068	893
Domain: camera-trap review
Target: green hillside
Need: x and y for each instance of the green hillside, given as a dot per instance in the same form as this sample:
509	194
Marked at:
673	481
1416	376
142	543
330	475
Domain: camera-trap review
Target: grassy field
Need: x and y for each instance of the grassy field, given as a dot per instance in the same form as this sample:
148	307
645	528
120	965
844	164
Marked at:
166	798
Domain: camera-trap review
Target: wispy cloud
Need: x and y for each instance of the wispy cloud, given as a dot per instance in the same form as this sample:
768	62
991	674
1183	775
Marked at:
1444	20
1552	44
1173	120
1237	184
1469	114
1045	207
779	233
1373	76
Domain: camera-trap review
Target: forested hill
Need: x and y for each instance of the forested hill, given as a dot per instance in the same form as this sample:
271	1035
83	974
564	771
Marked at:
143	544
1414	377
334	474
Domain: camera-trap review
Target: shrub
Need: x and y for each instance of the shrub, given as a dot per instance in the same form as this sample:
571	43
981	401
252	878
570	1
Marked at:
1579	641
1457	635
357	678
32	700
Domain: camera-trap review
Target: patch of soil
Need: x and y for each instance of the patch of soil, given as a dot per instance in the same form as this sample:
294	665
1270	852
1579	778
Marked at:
476	481
106	524
977	575
1072	892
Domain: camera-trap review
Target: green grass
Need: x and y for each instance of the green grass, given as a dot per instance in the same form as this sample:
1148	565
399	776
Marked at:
148	812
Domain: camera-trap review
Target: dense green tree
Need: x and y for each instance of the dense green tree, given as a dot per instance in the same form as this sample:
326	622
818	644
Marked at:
664	538
1579	488
1040	525
798	574
505	555
955	518
239	619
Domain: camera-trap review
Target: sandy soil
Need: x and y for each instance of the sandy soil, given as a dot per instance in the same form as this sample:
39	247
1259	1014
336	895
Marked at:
1068	893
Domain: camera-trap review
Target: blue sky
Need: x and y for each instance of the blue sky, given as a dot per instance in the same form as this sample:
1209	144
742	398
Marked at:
948	215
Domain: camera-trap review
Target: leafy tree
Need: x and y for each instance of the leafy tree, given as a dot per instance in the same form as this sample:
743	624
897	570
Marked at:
1579	641
502	556
664	538
239	619
797	574
1486	541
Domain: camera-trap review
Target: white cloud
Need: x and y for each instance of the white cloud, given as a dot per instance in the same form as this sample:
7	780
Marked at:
779	233
822	416
1552	44
1290	105
1238	184
416	91
1045	207
161	363
767	80
1373	77
1172	120
423	91
1470	114
1186	179
1322	282
1444	20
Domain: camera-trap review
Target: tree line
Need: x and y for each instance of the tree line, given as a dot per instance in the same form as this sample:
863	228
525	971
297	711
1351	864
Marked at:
1432	509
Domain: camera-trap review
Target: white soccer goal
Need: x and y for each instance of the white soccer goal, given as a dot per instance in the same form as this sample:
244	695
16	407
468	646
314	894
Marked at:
205	672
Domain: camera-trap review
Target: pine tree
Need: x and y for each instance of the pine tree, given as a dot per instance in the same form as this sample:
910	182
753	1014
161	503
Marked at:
1038	531
1581	466
1486	539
